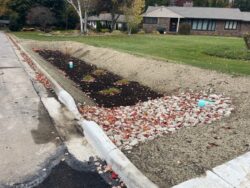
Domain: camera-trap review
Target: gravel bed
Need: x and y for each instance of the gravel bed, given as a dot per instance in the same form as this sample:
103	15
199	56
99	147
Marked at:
127	126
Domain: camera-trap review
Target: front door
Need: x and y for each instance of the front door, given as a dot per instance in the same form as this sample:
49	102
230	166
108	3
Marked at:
173	24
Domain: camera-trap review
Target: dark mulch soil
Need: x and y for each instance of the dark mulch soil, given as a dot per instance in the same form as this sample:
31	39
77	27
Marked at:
130	93
63	176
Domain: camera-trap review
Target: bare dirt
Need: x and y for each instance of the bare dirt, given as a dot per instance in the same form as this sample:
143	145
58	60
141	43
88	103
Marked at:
188	152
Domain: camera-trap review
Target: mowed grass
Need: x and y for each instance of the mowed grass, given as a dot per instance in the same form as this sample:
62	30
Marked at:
189	50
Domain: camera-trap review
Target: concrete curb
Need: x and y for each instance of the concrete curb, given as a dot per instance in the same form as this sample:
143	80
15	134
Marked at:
131	176
120	163
232	174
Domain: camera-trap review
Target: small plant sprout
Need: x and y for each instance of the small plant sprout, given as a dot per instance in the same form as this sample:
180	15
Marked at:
121	82
51	59
88	78
99	72
110	91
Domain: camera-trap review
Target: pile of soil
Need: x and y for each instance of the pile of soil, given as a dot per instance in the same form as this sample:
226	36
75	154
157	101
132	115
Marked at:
106	88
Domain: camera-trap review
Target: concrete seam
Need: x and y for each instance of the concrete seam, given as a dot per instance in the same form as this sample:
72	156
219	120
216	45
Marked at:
222	178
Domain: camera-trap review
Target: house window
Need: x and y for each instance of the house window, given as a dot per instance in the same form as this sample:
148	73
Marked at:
194	24
199	26
203	24
231	25
211	26
148	20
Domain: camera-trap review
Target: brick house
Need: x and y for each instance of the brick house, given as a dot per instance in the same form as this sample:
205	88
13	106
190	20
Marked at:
203	20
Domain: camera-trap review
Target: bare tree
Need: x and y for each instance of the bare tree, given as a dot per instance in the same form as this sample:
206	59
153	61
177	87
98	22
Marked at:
82	6
76	4
40	16
115	9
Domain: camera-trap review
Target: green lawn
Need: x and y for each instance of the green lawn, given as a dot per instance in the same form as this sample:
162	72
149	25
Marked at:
181	49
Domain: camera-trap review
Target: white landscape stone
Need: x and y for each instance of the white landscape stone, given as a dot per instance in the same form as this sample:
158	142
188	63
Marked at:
147	120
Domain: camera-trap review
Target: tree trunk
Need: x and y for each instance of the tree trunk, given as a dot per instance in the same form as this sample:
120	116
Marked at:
81	24
85	22
66	21
112	26
247	41
129	30
80	15
114	21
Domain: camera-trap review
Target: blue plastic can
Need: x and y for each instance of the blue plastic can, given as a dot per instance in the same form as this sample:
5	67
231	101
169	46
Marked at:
203	103
71	65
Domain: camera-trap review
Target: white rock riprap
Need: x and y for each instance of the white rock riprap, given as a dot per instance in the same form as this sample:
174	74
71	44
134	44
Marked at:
130	125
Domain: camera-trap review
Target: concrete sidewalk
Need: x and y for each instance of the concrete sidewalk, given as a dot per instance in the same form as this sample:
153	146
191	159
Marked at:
28	139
